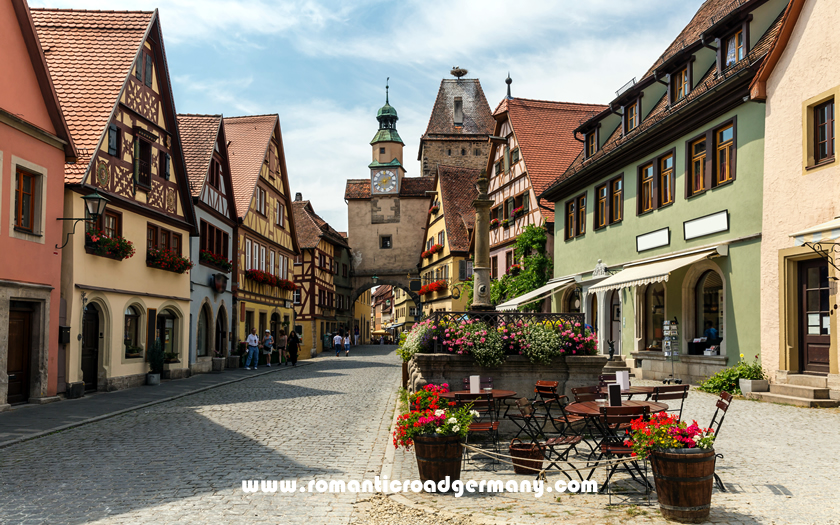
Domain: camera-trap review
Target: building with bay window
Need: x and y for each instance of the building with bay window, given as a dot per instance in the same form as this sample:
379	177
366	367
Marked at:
658	235
211	187
266	242
125	280
35	143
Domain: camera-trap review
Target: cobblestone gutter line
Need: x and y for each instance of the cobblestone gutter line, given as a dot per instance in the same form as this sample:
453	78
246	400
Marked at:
68	426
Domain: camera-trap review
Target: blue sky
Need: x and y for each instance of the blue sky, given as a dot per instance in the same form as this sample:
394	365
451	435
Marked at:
321	65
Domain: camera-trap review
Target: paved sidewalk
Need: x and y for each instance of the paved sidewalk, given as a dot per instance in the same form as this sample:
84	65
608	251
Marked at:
29	421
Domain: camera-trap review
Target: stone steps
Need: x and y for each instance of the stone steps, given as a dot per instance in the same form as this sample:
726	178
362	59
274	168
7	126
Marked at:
770	397
808	392
807	380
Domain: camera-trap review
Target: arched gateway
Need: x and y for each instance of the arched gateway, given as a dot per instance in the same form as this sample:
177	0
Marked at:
363	284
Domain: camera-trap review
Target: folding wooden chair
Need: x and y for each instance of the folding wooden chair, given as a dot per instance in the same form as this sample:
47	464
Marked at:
484	405
613	447
665	393
554	405
528	420
722	406
587	393
605	379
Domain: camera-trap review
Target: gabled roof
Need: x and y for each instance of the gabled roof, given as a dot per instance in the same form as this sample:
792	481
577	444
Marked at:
457	193
311	228
198	139
90	55
789	19
478	119
42	73
249	137
545	133
409	187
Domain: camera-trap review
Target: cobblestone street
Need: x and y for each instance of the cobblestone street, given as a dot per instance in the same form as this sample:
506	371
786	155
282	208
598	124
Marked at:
184	460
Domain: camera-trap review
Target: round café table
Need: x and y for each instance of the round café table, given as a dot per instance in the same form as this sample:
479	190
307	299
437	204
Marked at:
630	392
593	408
498	396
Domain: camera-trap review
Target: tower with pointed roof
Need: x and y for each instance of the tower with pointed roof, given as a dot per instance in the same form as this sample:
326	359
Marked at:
386	167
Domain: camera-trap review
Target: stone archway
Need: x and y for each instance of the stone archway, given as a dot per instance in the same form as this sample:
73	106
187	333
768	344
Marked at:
363	284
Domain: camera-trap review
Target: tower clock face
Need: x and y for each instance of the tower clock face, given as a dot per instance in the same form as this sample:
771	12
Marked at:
385	181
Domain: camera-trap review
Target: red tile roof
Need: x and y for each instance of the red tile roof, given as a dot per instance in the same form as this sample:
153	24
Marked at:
90	55
311	228
248	137
198	138
544	131
457	188
409	187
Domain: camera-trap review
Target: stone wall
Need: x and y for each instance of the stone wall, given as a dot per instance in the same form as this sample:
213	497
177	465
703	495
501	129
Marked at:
689	368
448	153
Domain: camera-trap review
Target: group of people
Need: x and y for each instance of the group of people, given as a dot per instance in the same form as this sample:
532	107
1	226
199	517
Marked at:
287	347
343	340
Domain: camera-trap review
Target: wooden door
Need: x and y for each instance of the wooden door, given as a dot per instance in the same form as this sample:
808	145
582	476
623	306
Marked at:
814	318
19	355
90	348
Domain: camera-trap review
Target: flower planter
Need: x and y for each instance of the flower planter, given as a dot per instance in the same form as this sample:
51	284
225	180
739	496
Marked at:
152	379
684	479
438	457
218	364
753	385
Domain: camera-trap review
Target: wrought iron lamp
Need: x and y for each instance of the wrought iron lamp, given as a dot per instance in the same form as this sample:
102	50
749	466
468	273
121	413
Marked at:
375	279
94	205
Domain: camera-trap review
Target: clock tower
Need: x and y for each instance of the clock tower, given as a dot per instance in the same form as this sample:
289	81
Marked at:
386	169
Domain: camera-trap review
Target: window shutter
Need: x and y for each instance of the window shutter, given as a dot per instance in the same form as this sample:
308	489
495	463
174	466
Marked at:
151	316
256	260
462	270
247	254
271	260
148	78
469	269
113	135
277	213
166	159
526	201
262	258
711	154
282	219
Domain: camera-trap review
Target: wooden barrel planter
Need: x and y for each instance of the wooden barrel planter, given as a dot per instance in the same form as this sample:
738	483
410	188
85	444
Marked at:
438	457
527	457
684	478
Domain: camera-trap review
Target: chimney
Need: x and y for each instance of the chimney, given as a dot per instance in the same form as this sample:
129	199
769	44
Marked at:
459	111
298	197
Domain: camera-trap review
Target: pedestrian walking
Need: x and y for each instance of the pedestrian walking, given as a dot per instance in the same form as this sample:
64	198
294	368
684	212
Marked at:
356	335
268	347
381	340
253	343
292	344
281	347
347	344
338	341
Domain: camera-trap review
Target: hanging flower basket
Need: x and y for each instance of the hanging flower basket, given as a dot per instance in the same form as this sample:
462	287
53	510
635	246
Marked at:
218	261
518	211
505	223
167	260
117	248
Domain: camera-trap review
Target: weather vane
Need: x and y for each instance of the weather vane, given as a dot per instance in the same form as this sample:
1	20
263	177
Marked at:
387	79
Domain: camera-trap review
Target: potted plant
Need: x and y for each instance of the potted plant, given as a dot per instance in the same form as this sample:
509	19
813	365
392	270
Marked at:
682	457
155	363
505	223
171	357
741	378
436	429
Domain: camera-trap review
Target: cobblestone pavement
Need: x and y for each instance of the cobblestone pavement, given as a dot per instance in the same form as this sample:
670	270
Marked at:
183	461
780	466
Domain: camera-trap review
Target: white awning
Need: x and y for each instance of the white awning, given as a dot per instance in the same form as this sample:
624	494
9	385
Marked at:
650	272
827	231
536	295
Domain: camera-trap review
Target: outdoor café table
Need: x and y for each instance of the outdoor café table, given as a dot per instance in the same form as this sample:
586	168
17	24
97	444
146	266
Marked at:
498	396
630	392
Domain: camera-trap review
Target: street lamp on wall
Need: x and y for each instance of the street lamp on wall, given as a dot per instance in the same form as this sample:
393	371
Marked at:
94	206
375	279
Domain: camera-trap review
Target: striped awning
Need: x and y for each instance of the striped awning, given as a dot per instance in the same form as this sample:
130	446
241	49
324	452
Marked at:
536	295
651	272
825	232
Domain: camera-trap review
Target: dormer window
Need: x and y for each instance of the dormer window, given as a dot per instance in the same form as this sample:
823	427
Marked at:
591	143
680	85
735	49
631	116
459	111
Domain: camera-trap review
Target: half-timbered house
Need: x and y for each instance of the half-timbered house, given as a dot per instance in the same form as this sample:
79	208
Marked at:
265	231
205	152
315	270
531	143
34	145
110	71
445	263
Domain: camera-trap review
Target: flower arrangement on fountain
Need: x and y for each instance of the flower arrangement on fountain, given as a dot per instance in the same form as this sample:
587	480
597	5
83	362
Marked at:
420	339
168	260
431	251
472	337
431	416
436	286
115	247
216	260
543	341
664	431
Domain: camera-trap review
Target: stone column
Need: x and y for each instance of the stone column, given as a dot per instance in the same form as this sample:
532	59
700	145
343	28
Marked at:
481	277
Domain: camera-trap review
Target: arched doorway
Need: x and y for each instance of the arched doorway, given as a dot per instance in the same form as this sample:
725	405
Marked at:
615	320
167	326
221	333
202	334
90	347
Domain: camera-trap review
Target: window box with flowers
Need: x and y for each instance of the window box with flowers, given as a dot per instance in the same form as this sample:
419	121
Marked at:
285	284
431	251
505	223
434	209
517	211
117	248
217	261
261	277
515	269
495	223
433	287
167	260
